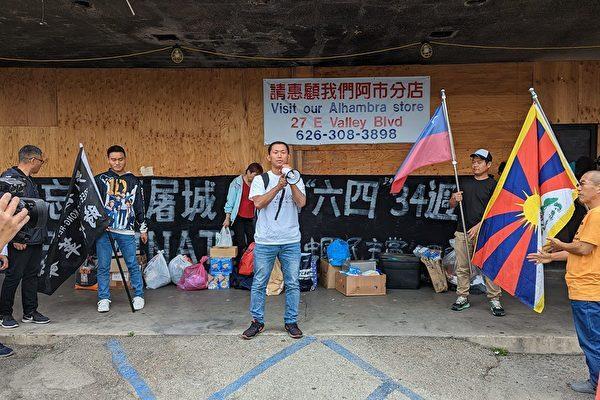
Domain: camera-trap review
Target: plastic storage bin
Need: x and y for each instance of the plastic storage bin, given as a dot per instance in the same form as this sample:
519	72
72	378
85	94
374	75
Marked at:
403	270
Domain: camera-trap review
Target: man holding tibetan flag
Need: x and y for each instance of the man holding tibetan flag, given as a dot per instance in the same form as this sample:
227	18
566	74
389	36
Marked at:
534	200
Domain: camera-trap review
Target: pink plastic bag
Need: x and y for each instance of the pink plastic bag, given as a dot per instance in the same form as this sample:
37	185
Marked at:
194	277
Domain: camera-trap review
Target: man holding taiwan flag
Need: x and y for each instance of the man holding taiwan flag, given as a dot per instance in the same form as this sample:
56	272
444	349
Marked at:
475	194
435	145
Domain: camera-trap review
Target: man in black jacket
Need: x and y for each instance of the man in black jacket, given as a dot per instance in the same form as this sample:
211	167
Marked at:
122	196
25	250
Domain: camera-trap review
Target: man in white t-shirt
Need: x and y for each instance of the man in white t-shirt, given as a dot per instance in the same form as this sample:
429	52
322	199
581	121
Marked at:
277	235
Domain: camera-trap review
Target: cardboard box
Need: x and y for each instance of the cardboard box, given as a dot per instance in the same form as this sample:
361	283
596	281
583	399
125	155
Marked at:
222	266
223	252
327	276
218	282
142	262
361	285
117	282
114	267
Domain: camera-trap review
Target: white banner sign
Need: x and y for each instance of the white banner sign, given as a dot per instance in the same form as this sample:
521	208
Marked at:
318	111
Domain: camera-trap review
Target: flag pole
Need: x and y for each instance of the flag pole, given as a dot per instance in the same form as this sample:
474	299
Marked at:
454	165
550	132
535	99
114	248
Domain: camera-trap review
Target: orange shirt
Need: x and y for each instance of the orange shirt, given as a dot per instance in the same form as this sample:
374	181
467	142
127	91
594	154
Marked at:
583	272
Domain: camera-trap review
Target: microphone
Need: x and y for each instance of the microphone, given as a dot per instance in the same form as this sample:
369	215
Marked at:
292	176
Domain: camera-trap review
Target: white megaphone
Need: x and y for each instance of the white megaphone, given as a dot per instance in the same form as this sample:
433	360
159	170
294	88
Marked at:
292	176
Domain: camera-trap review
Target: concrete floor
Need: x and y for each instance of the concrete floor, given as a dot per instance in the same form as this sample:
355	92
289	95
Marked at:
401	313
277	367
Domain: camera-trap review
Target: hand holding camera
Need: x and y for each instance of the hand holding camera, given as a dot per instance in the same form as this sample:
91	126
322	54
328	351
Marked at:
11	221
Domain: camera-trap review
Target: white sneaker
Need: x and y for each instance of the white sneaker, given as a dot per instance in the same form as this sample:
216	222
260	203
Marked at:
104	305
138	303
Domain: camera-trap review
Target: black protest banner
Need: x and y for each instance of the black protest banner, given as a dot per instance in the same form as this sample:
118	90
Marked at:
184	214
82	220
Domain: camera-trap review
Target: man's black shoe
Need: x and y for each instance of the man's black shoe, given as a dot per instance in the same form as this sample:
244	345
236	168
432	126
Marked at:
36	318
8	322
5	351
254	329
293	331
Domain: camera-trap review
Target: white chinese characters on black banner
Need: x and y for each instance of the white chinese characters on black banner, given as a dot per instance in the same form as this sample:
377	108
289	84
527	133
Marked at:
184	214
80	221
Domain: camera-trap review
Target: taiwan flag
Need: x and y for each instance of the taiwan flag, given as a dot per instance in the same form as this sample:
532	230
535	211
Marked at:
431	147
534	200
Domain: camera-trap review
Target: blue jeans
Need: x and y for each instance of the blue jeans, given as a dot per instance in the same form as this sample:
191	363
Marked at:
264	258
127	245
586	315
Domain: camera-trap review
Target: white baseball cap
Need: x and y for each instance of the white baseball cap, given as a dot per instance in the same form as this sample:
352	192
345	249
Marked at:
483	154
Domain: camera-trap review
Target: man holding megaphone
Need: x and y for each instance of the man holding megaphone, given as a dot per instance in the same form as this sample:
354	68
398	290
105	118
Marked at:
278	196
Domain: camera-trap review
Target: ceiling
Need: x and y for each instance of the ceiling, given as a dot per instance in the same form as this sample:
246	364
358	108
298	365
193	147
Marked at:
293	29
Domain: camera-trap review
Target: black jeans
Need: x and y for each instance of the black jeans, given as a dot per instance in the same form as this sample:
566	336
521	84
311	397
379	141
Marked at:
243	233
23	267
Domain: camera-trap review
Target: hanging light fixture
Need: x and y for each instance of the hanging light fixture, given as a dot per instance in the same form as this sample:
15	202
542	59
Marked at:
176	54
426	50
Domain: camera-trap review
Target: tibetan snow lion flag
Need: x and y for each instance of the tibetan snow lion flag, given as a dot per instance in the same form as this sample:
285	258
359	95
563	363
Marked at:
534	200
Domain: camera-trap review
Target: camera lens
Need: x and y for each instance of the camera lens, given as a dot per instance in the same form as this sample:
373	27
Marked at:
38	211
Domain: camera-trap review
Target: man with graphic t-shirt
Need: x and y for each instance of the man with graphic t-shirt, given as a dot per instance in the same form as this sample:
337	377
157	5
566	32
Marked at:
475	194
277	235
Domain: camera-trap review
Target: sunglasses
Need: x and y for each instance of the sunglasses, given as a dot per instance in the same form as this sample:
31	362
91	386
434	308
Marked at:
39	159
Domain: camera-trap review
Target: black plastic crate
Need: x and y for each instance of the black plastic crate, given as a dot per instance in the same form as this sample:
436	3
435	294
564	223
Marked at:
403	271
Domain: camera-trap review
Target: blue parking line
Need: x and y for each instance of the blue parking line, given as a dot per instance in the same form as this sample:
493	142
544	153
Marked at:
262	367
119	359
383	390
368	368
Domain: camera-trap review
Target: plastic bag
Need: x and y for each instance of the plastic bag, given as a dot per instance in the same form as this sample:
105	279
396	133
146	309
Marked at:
86	277
194	277
338	252
224	238
177	266
275	285
156	272
247	262
438	277
449	263
240	281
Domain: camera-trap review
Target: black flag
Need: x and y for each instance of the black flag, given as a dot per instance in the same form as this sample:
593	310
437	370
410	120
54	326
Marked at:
82	221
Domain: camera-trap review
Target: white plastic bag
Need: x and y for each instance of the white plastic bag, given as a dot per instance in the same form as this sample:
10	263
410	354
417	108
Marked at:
224	238
156	272
177	266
